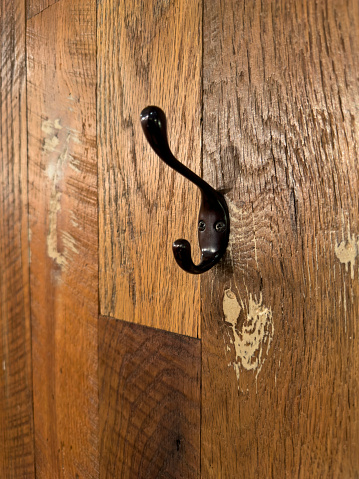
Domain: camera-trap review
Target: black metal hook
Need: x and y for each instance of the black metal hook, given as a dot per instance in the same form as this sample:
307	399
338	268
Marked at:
213	219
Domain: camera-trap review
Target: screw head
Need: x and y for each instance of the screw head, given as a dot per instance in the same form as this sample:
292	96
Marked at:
220	226
201	225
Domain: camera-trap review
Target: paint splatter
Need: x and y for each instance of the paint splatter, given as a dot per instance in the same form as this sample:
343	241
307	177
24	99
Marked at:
347	252
51	140
52	249
57	158
251	340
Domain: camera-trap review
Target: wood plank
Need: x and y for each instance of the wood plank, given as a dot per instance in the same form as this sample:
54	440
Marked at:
16	419
280	327
148	55
149	402
34	7
64	245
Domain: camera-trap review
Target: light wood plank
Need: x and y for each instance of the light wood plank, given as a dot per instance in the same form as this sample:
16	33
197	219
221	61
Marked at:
280	331
16	418
149	402
64	245
148	54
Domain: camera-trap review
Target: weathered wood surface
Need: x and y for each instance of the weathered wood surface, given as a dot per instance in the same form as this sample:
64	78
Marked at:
34	7
280	331
149	402
61	47
148	54
16	419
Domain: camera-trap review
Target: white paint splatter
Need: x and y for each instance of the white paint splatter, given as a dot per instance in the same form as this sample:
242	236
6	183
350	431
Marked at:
51	131
52	249
347	252
253	339
48	126
50	144
56	164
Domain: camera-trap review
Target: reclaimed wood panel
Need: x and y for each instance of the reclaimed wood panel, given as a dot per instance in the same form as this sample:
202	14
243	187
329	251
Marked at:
16	418
149	402
280	314
61	87
148	54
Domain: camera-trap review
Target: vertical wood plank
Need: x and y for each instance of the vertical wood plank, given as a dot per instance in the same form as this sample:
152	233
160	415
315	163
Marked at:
149	402
64	245
16	419
148	53
280	328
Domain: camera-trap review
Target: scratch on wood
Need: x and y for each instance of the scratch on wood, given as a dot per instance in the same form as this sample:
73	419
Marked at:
253	338
345	306
235	214
255	242
69	242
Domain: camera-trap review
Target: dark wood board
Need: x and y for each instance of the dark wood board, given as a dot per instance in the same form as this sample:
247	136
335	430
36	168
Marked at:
61	86
280	314
16	418
149	402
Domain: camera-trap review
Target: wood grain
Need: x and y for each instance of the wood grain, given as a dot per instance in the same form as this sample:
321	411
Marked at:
148	54
280	314
16	419
34	7
64	246
149	402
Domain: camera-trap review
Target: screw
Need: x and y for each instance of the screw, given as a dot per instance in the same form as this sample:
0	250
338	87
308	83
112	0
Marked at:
220	226
201	225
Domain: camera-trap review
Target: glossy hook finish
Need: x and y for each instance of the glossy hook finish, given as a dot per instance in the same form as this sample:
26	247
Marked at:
213	219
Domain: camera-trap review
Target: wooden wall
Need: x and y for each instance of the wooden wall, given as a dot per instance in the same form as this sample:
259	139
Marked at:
114	362
280	339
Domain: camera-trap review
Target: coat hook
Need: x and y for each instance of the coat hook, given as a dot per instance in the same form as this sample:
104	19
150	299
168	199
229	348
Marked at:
213	219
